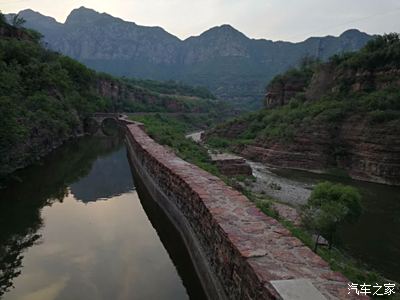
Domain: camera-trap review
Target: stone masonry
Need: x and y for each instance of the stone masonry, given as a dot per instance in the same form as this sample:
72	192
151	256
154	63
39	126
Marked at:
246	249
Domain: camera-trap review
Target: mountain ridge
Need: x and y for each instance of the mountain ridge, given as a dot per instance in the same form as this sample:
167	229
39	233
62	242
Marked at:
30	11
233	66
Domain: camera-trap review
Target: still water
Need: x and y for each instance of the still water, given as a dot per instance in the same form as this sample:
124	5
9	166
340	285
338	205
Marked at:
375	238
79	227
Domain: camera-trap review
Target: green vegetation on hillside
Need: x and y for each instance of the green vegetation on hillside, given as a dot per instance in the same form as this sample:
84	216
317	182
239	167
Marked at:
173	88
383	51
45	97
376	105
302	73
284	122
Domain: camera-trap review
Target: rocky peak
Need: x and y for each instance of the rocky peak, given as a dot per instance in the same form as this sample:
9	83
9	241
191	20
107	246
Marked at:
351	33
83	15
35	17
223	31
220	41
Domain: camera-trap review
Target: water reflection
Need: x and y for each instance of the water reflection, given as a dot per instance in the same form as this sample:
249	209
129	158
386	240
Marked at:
55	247
98	184
42	185
174	246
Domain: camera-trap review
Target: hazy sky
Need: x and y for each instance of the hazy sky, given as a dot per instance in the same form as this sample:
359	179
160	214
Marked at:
292	20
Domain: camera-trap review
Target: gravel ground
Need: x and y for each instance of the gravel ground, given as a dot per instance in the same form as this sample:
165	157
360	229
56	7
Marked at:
285	190
267	182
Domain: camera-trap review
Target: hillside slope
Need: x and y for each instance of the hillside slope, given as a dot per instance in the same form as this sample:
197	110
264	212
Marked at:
344	114
45	97
233	66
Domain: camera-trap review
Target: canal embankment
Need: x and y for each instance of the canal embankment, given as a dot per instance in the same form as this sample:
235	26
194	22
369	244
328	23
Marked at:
239	252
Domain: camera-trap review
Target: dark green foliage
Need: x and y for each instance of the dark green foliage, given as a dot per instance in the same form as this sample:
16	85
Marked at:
329	206
303	73
383	51
43	98
17	21
3	20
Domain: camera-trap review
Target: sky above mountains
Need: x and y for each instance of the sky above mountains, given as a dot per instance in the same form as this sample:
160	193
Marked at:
291	20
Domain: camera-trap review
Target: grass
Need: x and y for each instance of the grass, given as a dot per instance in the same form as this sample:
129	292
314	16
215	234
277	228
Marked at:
171	131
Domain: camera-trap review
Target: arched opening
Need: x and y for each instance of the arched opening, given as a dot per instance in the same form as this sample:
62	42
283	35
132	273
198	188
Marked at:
110	127
90	125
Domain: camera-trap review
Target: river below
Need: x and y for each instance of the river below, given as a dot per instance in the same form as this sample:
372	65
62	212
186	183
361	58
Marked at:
375	238
79	227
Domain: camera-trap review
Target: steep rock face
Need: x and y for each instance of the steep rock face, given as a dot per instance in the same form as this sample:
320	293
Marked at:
103	37
365	152
231	65
328	80
222	41
280	92
370	152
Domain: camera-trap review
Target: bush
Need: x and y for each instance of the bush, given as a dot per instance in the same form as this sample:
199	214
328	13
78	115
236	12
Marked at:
330	205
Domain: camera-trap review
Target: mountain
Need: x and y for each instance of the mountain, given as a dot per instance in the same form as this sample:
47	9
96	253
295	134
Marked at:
46	97
341	116
223	59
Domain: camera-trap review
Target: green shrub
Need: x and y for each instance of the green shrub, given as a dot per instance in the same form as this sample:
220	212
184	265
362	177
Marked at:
330	205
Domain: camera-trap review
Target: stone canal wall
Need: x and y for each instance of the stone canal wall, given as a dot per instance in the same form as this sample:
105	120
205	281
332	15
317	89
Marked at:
238	252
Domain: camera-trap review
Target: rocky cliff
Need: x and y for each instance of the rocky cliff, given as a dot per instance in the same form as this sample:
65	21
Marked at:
363	152
223	59
344	114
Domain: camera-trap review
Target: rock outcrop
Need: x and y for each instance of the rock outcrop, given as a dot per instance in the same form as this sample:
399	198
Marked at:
280	92
231	165
363	152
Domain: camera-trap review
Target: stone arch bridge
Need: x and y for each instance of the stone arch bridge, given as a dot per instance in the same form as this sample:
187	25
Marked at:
95	122
101	117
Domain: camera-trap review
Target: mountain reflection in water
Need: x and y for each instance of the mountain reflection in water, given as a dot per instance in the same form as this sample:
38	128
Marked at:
99	185
58	242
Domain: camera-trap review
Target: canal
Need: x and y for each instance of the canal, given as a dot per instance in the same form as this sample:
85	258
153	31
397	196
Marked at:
81	226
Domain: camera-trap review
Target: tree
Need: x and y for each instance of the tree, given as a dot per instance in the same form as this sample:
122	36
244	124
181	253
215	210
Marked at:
3	20
329	206
18	21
